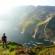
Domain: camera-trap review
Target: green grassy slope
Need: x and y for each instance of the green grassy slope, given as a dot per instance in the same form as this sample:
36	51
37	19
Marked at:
18	49
10	50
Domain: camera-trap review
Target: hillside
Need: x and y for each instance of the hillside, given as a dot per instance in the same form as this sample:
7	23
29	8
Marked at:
35	21
27	20
10	49
18	49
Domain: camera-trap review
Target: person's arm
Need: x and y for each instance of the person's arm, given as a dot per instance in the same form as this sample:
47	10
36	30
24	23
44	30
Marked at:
2	38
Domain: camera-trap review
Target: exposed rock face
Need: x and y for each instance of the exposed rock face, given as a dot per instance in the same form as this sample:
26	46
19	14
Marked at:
37	15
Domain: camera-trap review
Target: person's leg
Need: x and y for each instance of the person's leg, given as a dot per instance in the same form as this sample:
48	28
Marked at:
3	44
6	44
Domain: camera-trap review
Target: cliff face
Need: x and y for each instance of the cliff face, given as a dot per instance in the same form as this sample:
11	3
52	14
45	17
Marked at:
37	17
51	27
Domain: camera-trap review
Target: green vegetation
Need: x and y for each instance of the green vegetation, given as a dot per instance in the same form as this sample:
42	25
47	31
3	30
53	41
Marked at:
18	49
10	50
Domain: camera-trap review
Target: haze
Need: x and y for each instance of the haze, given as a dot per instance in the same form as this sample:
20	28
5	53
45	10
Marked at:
9	18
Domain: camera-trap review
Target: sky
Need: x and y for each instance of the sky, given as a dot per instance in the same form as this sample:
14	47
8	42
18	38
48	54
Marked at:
6	5
26	2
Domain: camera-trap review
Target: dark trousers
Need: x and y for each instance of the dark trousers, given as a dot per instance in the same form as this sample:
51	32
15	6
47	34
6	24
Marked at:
4	44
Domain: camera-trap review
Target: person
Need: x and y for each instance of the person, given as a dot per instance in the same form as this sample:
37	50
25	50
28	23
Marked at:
4	40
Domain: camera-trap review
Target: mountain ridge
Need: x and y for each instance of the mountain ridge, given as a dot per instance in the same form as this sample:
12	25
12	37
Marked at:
39	14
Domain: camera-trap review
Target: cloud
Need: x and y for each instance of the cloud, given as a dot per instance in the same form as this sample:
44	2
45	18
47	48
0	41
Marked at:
6	5
11	3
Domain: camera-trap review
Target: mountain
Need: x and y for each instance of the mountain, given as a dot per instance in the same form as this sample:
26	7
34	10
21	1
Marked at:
28	21
35	21
51	27
38	14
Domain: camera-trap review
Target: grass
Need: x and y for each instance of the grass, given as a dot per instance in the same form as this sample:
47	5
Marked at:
18	49
7	51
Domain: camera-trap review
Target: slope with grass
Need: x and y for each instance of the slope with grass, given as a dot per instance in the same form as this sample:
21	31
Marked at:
19	49
10	50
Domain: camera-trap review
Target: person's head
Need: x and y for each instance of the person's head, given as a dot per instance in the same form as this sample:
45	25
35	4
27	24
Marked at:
3	34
